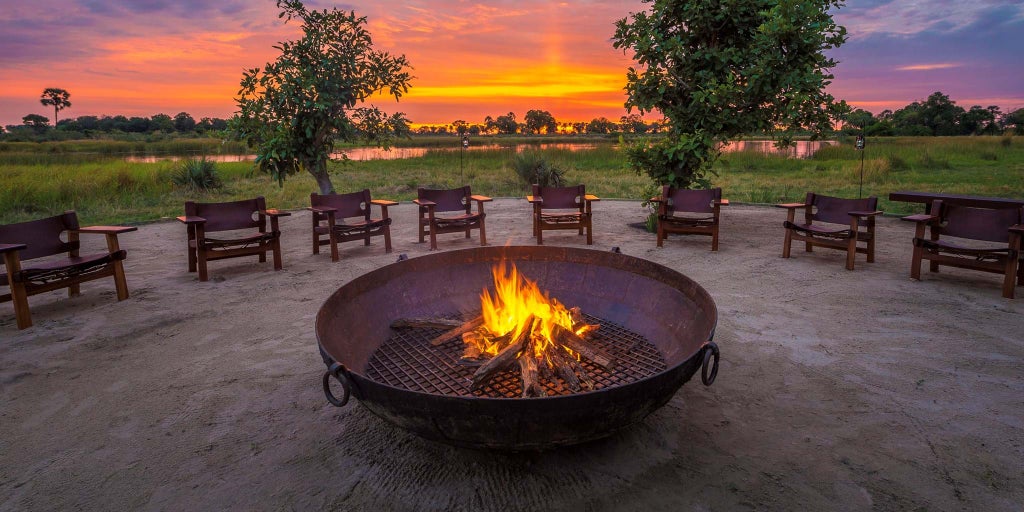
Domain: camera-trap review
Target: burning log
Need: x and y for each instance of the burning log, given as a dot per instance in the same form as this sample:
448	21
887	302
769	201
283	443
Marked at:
586	349
503	359
529	371
458	331
578	322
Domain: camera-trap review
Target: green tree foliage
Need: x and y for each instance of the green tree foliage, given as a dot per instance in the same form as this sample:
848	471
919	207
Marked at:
601	125
294	109
183	122
1015	121
540	121
505	124
160	122
36	122
57	98
719	69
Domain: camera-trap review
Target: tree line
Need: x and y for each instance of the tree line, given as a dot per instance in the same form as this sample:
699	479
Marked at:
938	115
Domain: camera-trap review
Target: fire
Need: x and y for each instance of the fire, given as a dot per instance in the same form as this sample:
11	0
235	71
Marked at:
519	304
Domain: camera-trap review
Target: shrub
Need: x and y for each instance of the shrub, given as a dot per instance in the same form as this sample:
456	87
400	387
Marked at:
197	173
532	168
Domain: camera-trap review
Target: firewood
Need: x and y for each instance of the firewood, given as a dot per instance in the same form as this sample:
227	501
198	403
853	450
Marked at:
575	367
559	358
578	322
456	332
504	358
529	373
582	346
427	323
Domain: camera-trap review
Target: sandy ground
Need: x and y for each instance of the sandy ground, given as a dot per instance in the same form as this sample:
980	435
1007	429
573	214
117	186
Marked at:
838	390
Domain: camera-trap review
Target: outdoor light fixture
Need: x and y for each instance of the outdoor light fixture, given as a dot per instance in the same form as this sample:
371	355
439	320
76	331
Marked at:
859	145
462	153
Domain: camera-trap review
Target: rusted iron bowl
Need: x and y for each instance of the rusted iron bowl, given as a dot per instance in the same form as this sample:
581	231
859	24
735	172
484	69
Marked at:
673	313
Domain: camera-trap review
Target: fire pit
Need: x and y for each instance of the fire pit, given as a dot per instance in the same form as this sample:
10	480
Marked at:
656	324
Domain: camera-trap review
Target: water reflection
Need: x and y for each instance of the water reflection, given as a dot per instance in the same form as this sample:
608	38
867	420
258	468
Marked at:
802	149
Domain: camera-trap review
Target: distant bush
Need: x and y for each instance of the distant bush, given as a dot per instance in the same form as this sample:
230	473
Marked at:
532	168
198	173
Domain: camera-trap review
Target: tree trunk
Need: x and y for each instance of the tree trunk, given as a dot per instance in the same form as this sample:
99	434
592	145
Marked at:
323	179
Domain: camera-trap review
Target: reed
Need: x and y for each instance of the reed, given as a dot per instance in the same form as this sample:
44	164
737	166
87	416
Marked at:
92	177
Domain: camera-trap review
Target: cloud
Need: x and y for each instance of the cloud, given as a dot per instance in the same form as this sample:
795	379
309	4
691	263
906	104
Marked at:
928	67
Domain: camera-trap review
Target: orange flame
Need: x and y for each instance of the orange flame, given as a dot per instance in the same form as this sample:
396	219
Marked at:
516	299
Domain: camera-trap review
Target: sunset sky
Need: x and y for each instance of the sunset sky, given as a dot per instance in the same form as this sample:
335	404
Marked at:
470	59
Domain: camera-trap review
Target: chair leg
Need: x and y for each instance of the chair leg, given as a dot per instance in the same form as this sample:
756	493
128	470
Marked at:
120	283
590	234
808	246
714	238
787	243
661	235
1009	277
871	250
851	252
483	233
387	239
21	313
540	235
74	290
334	246
276	247
201	263
915	263
433	240
191	260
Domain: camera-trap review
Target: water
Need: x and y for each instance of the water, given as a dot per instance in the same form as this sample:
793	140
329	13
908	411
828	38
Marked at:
802	149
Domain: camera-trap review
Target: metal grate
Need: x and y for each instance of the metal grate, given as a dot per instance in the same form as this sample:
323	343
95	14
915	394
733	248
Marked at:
408	361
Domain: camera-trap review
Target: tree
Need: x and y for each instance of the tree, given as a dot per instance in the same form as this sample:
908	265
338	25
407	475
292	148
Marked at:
1015	121
184	122
58	98
601	125
537	120
718	70
39	124
506	124
313	94
161	123
461	126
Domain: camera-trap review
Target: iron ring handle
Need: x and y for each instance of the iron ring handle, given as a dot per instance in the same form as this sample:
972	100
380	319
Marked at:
338	371
711	349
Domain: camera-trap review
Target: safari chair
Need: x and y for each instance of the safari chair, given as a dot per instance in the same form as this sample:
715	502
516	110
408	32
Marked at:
346	217
689	212
842	229
42	238
562	208
246	215
433	202
985	239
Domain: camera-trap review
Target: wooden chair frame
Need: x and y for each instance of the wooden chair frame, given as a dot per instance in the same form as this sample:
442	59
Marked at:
702	201
25	241
568	208
329	219
431	202
857	213
203	218
998	225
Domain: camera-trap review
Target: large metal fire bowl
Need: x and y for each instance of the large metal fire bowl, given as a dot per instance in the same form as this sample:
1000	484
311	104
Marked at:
670	310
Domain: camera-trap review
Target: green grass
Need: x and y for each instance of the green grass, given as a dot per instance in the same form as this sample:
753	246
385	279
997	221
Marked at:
92	177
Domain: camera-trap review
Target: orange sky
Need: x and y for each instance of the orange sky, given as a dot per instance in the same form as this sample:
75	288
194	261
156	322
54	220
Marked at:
470	59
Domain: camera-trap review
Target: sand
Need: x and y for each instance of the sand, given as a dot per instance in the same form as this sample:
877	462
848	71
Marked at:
838	390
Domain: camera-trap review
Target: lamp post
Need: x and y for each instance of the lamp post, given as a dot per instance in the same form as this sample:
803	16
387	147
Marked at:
859	145
462	154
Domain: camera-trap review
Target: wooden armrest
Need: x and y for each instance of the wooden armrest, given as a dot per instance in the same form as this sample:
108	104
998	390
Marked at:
481	199
1017	228
383	202
656	199
191	220
11	247
790	206
322	209
921	217
424	202
864	214
723	202
105	230
271	212
535	199
590	197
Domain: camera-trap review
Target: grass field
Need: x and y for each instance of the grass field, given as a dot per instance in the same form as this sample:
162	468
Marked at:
93	178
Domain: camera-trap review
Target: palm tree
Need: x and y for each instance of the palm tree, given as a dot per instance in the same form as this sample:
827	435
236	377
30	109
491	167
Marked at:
56	97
